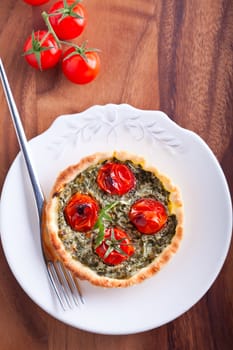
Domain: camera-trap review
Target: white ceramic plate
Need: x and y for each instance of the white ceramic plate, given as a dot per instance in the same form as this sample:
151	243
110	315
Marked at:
176	152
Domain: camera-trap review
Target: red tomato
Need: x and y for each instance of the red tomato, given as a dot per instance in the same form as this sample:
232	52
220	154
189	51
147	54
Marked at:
80	66
41	50
68	19
116	246
36	2
115	178
148	215
81	212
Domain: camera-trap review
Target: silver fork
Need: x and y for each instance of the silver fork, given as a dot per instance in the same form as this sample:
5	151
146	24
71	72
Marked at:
64	284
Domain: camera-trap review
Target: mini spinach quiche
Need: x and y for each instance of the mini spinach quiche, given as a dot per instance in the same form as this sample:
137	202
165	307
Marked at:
113	220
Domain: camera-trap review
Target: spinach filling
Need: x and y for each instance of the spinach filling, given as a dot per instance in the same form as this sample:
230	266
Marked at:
147	247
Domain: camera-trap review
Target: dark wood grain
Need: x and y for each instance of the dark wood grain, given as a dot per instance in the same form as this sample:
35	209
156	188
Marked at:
176	56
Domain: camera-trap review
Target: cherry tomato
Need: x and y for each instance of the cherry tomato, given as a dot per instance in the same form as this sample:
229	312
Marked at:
81	212
115	178
68	19
148	215
41	50
116	246
36	2
80	66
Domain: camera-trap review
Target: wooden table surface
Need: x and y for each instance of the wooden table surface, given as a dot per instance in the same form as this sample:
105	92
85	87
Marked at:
176	56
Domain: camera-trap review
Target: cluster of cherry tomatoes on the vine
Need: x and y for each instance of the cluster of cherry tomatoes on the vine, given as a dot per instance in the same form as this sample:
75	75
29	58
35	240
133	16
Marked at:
43	49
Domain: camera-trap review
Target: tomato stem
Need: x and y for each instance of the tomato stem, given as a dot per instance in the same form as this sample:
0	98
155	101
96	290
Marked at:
44	38
50	28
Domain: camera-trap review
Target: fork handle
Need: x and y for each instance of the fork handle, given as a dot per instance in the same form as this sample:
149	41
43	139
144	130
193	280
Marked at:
39	197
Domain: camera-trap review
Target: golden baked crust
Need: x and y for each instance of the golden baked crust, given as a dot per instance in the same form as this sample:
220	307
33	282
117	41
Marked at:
55	246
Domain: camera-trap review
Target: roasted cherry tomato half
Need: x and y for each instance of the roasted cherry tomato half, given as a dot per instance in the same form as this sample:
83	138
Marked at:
115	247
41	50
81	212
80	65
148	215
115	178
68	19
36	2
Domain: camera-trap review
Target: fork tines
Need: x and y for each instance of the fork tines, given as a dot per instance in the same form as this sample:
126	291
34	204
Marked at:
64	284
